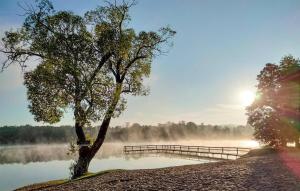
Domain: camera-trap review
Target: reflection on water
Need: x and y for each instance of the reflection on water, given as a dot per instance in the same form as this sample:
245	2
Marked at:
18	175
29	164
202	159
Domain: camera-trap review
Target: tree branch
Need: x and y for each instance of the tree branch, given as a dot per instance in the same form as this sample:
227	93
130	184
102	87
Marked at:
130	64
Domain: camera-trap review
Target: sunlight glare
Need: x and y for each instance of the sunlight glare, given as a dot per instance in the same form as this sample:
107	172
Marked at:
247	97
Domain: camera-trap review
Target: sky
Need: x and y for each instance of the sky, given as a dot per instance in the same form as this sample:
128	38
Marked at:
219	49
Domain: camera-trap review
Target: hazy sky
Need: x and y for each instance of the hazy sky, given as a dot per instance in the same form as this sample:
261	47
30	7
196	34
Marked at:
219	49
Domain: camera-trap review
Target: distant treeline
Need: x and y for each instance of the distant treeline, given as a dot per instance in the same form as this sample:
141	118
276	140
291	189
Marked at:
28	134
132	133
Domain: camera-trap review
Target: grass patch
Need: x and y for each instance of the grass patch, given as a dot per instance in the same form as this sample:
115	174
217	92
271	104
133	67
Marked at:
91	174
261	152
50	183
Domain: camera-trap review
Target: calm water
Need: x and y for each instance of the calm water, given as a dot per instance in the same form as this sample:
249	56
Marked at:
28	164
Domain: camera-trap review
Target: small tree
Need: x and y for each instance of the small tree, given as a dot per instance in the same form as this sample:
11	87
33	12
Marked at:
275	113
86	64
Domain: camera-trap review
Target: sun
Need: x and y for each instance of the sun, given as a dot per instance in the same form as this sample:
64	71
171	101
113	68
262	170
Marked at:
247	97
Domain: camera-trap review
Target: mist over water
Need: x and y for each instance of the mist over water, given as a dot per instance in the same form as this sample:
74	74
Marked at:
28	164
44	152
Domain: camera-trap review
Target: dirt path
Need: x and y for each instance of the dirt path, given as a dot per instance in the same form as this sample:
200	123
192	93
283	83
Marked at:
268	172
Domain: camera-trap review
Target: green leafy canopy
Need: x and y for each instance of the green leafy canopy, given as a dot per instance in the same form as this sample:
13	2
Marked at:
275	113
86	63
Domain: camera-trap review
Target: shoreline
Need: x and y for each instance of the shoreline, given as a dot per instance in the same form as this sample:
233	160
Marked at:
261	169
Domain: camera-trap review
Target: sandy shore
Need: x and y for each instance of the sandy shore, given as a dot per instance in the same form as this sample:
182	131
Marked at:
266	172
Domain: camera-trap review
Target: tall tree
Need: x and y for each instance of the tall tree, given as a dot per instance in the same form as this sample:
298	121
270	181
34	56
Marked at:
275	113
86	64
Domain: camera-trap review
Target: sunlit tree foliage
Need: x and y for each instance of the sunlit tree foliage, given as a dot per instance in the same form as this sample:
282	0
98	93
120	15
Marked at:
275	114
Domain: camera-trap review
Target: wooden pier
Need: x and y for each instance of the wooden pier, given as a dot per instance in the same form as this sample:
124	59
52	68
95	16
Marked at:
196	151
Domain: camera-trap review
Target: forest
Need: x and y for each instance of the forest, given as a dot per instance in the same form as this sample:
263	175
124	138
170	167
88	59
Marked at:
28	134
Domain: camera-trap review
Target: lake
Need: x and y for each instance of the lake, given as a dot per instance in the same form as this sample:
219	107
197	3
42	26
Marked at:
27	164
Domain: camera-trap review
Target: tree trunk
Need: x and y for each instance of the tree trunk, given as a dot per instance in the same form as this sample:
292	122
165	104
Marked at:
82	164
80	134
297	144
283	143
87	153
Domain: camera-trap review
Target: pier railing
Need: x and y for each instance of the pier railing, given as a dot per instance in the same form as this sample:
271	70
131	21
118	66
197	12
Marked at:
197	151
